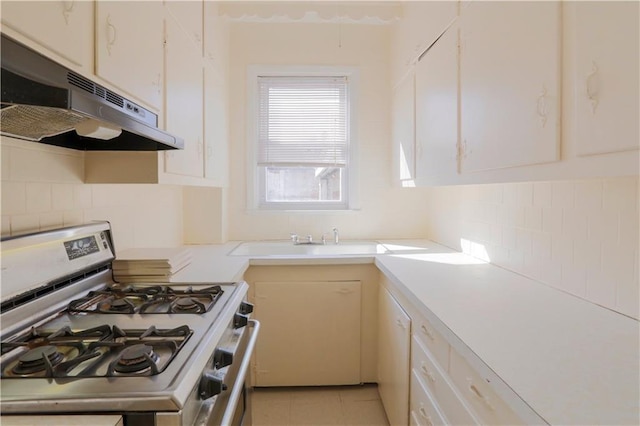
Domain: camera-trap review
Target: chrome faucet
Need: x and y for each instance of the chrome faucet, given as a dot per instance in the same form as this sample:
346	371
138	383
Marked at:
336	237
294	238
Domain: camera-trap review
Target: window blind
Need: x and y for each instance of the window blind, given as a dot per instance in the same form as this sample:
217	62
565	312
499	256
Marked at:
303	121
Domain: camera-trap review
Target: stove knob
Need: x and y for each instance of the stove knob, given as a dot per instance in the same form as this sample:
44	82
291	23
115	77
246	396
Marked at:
245	308
211	385
240	320
222	358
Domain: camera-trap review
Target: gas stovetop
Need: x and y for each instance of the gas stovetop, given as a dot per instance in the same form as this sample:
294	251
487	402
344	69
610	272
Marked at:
104	351
72	339
153	299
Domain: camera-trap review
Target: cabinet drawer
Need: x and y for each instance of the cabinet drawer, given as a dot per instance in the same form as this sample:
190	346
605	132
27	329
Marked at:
436	382
424	411
433	341
486	403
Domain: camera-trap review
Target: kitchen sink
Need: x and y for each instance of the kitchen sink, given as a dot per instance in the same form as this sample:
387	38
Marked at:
287	248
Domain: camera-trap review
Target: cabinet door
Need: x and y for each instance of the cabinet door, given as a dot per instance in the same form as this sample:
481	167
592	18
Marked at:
437	110
184	101
606	84
394	348
509	82
129	47
216	132
404	142
189	15
62	27
310	333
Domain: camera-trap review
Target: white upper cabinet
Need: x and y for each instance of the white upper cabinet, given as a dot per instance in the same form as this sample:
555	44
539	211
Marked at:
216	128
510	84
404	141
189	15
64	28
129	47
437	110
184	101
606	85
422	23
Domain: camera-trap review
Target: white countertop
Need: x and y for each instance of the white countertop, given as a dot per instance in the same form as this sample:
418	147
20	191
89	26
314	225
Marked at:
571	361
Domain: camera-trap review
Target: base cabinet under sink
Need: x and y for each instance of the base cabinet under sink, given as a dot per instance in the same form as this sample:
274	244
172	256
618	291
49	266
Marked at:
310	333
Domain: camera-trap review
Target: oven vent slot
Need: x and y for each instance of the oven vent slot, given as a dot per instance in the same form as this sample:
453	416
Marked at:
34	294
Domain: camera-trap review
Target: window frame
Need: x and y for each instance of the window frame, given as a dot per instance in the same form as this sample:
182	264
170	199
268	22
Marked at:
255	177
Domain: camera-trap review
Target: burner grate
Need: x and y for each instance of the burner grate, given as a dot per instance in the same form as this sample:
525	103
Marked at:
147	300
104	351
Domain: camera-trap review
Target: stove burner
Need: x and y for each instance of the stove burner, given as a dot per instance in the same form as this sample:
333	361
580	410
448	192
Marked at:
37	360
186	304
119	305
136	358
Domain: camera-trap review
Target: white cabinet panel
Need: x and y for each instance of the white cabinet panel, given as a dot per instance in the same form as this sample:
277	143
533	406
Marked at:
607	84
310	333
404	142
394	340
62	27
189	15
510	84
216	128
184	101
437	110
129	49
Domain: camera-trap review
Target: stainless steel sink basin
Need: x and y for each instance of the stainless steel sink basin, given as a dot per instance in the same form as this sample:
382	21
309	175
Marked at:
287	248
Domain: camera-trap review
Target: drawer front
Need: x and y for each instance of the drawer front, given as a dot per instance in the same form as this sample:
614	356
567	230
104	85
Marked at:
481	397
424	410
436	344
439	385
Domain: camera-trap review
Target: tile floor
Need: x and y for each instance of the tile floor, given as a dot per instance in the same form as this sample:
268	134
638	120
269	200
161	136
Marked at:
318	406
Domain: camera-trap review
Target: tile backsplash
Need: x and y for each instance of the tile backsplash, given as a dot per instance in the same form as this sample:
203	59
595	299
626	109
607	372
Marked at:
580	237
42	188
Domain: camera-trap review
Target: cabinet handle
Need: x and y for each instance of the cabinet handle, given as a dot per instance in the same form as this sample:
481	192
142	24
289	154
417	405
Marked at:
344	291
425	415
476	392
112	34
542	106
427	373
592	95
209	151
67	8
200	148
400	324
428	332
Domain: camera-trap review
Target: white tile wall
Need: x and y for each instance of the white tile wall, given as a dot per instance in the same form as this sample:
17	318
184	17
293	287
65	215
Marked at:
581	237
42	188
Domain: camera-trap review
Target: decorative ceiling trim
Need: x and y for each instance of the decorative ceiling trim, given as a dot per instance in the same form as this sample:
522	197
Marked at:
343	12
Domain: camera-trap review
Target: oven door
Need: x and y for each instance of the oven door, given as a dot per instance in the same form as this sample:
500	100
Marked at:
232	407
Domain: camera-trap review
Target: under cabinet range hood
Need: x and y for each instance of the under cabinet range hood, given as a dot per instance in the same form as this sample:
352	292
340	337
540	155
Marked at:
43	101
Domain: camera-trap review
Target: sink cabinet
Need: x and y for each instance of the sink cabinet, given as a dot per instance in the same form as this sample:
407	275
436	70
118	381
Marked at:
319	324
310	333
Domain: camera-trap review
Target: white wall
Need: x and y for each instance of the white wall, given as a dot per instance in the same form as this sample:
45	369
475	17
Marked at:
578	236
42	187
385	211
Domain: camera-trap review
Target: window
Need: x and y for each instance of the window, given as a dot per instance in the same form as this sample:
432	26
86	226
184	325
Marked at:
303	142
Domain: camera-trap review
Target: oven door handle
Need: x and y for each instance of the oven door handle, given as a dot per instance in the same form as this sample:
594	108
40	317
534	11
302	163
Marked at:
242	373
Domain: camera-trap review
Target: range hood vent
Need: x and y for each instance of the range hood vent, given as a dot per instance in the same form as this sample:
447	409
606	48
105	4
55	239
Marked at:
44	101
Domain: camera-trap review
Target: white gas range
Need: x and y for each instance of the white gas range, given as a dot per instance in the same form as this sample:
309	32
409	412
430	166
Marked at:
75	341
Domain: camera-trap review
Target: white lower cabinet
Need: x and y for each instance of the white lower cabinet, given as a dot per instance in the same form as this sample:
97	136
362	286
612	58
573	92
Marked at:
310	333
422	378
394	340
424	410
